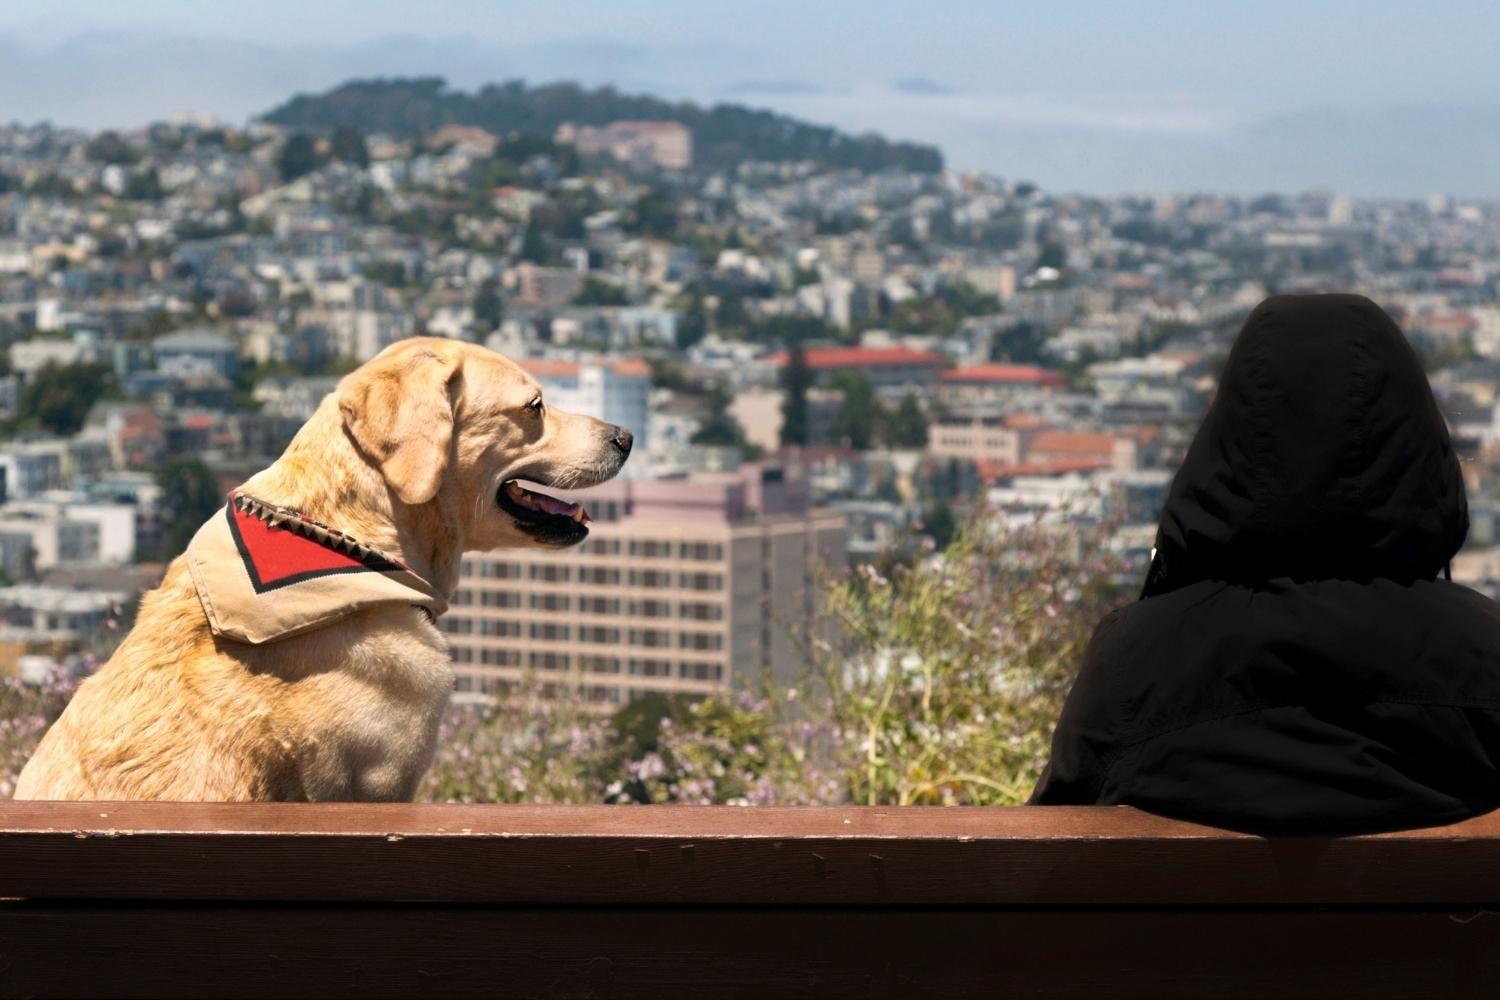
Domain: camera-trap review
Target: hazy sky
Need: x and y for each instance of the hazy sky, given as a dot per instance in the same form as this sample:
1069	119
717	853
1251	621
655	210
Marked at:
1372	97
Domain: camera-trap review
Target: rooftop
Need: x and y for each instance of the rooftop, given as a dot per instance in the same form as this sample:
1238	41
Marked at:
556	368
1078	441
820	358
1004	374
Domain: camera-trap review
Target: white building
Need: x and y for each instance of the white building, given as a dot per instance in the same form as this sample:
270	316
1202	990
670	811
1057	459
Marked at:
616	391
30	356
31	468
57	612
38	535
1154	380
116	522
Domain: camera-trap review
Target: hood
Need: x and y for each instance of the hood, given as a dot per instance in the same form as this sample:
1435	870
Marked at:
1323	456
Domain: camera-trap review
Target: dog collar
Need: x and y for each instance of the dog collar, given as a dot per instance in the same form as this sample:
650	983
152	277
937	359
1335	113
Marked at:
265	572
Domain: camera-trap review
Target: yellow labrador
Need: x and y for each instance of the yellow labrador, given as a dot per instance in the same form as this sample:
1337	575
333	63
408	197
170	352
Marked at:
409	463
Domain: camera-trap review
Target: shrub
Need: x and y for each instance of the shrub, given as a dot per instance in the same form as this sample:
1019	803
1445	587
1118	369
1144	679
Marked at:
26	710
942	686
534	746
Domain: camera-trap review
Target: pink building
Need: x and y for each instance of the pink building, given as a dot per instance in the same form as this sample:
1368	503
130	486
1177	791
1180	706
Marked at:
682	585
664	144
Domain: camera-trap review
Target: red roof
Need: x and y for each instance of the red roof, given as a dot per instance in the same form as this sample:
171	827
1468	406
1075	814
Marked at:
822	358
543	367
1015	374
632	366
1072	443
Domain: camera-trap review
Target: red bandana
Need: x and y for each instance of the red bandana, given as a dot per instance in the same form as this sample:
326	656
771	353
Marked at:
265	572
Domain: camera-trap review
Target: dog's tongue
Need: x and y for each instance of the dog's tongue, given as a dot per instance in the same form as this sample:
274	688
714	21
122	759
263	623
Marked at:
552	505
562	508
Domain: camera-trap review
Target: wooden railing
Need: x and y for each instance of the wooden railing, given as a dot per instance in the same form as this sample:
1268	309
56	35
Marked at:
166	900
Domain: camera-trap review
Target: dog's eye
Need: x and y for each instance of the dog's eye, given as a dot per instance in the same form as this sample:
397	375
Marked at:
535	406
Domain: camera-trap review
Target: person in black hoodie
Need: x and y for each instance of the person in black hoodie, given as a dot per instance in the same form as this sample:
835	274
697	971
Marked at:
1295	665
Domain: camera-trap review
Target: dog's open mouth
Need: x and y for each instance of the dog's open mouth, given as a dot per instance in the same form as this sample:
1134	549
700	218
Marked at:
557	520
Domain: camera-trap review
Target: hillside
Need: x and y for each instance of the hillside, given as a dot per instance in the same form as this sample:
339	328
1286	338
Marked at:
723	135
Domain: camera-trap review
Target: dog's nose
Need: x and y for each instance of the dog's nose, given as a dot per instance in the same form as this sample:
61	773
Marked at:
623	439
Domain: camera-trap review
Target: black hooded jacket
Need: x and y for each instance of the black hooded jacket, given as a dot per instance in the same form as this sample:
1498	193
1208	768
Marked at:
1295	664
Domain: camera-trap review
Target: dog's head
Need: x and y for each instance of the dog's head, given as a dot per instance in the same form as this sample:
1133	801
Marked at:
448	421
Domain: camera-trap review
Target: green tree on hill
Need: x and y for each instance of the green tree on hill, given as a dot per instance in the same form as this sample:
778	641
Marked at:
656	214
298	157
144	185
1052	254
600	293
190	495
533	244
110	147
859	413
349	146
718	426
1021	344
59	397
489	309
723	136
796	378
906	426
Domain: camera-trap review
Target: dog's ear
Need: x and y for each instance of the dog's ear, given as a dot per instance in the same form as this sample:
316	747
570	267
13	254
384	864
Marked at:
399	411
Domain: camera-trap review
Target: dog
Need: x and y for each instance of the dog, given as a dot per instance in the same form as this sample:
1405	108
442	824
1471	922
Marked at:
411	461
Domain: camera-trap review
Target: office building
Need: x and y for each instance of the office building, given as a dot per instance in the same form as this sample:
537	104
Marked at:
684	586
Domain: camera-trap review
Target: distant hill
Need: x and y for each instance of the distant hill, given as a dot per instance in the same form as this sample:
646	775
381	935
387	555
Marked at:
723	135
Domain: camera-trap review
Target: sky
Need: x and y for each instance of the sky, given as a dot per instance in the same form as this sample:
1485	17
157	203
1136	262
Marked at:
1369	98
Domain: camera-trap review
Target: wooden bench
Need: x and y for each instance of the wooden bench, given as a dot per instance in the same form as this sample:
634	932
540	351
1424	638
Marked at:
166	900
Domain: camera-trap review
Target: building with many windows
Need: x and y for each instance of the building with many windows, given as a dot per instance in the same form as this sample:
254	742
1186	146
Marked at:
683	586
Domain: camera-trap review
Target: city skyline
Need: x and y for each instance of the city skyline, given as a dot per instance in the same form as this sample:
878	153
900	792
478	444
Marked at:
1373	100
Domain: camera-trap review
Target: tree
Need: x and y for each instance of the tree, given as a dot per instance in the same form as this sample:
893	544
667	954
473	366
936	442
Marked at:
298	157
796	379
51	184
533	244
110	147
390	273
906	427
489	310
237	302
939	683
1052	254
349	146
656	214
600	293
718	426
668	375
858	414
190	495
940	525
694	325
59	397
152	325
1020	344
144	185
